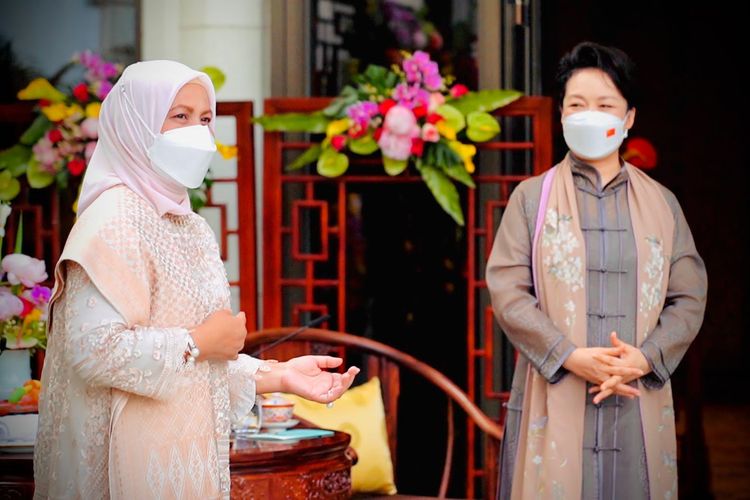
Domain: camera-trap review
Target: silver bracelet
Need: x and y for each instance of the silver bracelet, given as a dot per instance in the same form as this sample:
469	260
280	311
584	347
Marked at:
192	352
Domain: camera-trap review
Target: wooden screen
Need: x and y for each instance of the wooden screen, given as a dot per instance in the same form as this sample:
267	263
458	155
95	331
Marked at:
304	238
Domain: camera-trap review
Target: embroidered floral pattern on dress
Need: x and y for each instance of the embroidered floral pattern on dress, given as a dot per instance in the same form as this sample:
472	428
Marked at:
561	261
651	289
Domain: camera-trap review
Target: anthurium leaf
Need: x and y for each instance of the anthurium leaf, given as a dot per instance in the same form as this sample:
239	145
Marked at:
337	108
481	126
9	186
310	155
216	75
394	167
294	122
444	191
484	100
332	163
38	128
459	173
452	115
37	177
364	145
14	159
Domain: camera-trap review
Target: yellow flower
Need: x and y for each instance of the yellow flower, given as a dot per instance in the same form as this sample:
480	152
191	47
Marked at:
40	88
466	152
446	130
34	316
337	127
55	112
58	112
226	152
93	109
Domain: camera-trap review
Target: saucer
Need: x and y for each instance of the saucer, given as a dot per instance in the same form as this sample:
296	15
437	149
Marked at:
280	425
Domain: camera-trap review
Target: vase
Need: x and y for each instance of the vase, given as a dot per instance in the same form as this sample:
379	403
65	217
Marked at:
15	370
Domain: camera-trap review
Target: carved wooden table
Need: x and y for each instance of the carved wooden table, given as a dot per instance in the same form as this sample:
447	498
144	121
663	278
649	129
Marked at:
306	469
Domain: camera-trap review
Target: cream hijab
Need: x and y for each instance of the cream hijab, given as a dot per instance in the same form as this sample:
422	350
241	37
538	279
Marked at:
131	116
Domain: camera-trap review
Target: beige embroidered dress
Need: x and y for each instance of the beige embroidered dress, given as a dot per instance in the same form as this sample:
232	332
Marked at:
121	413
613	454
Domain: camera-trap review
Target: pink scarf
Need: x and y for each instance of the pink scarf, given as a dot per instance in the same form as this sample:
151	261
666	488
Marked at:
131	115
549	457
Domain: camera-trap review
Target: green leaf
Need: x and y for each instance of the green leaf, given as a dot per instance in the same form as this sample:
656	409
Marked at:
364	145
439	154
482	126
452	116
19	234
38	178
376	73
444	191
332	163
484	100
394	167
38	128
14	159
197	198
346	98
310	155
314	123
9	186
216	75
459	173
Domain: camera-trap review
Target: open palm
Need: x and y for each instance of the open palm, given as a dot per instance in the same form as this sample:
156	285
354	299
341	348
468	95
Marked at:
306	376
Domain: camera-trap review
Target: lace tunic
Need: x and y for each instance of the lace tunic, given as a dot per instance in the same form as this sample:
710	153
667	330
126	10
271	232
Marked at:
121	413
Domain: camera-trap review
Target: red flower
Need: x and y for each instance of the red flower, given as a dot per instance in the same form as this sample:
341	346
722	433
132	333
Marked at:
378	132
419	111
386	105
356	132
417	146
338	142
81	92
434	118
458	90
55	136
43	103
27	307
640	153
76	166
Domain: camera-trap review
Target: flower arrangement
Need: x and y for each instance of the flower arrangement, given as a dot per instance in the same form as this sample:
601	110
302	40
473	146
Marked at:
61	140
411	114
23	299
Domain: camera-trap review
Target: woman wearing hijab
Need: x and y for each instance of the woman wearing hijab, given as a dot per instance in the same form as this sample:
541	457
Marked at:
142	374
595	279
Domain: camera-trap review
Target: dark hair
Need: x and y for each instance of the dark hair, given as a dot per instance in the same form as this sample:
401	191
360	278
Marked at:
613	61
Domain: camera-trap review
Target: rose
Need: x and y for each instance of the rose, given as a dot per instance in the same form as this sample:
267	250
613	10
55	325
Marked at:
458	90
399	128
76	166
400	121
430	133
10	305
81	92
23	269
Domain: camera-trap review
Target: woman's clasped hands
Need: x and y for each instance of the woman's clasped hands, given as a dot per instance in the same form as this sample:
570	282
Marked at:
610	369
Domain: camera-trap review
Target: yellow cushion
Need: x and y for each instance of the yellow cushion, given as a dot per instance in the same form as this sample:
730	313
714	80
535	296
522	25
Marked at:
359	413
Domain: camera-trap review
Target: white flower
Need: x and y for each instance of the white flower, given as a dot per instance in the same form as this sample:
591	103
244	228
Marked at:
24	269
4	213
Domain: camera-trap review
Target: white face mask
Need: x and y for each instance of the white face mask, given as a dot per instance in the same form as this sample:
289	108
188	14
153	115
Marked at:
593	135
183	154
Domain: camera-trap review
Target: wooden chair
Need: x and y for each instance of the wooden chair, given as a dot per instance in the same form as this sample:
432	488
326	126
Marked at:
385	362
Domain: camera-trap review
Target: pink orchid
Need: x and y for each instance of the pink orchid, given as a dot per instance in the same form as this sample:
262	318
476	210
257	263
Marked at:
436	100
23	269
10	305
89	128
430	133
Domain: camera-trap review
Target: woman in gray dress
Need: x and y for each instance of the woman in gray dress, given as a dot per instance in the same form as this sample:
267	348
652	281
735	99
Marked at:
595	279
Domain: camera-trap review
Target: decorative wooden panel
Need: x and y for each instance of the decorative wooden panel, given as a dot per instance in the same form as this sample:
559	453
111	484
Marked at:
296	277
